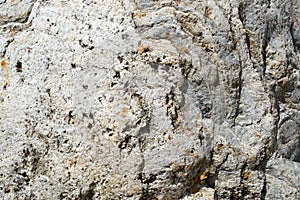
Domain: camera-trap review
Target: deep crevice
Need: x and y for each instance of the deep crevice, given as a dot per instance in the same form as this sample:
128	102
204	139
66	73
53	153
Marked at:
264	189
238	92
248	44
242	19
172	109
145	192
277	119
89	193
19	23
8	42
265	42
241	13
296	46
244	176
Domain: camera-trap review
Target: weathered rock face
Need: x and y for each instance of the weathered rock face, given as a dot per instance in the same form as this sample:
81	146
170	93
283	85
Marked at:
150	99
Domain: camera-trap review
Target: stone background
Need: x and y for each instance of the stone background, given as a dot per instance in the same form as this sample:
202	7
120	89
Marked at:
150	99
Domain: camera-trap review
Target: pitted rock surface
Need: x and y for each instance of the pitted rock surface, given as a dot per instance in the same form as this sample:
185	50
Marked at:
148	99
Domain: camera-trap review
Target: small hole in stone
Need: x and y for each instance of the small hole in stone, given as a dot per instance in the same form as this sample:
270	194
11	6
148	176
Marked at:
19	67
108	129
117	75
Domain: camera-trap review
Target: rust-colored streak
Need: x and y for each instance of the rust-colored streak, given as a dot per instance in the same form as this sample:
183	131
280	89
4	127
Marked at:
143	49
208	12
204	175
139	15
4	65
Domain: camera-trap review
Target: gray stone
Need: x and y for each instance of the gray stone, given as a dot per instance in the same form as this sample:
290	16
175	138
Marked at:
149	99
15	11
282	178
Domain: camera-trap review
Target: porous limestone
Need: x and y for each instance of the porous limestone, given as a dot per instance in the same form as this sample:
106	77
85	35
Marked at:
149	99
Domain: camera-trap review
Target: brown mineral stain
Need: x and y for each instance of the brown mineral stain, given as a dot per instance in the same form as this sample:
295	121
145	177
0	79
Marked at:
165	35
4	64
246	175
124	112
257	134
176	3
114	137
208	12
199	180
142	49
220	147
13	2
252	42
13	31
208	47
176	167
138	14
204	175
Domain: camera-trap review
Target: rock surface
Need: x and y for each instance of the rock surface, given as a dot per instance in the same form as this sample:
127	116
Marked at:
144	99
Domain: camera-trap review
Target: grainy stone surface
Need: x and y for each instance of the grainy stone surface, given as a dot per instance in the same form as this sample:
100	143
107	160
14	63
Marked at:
147	99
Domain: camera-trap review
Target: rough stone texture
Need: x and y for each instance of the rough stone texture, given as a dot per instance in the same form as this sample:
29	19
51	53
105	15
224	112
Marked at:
150	99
